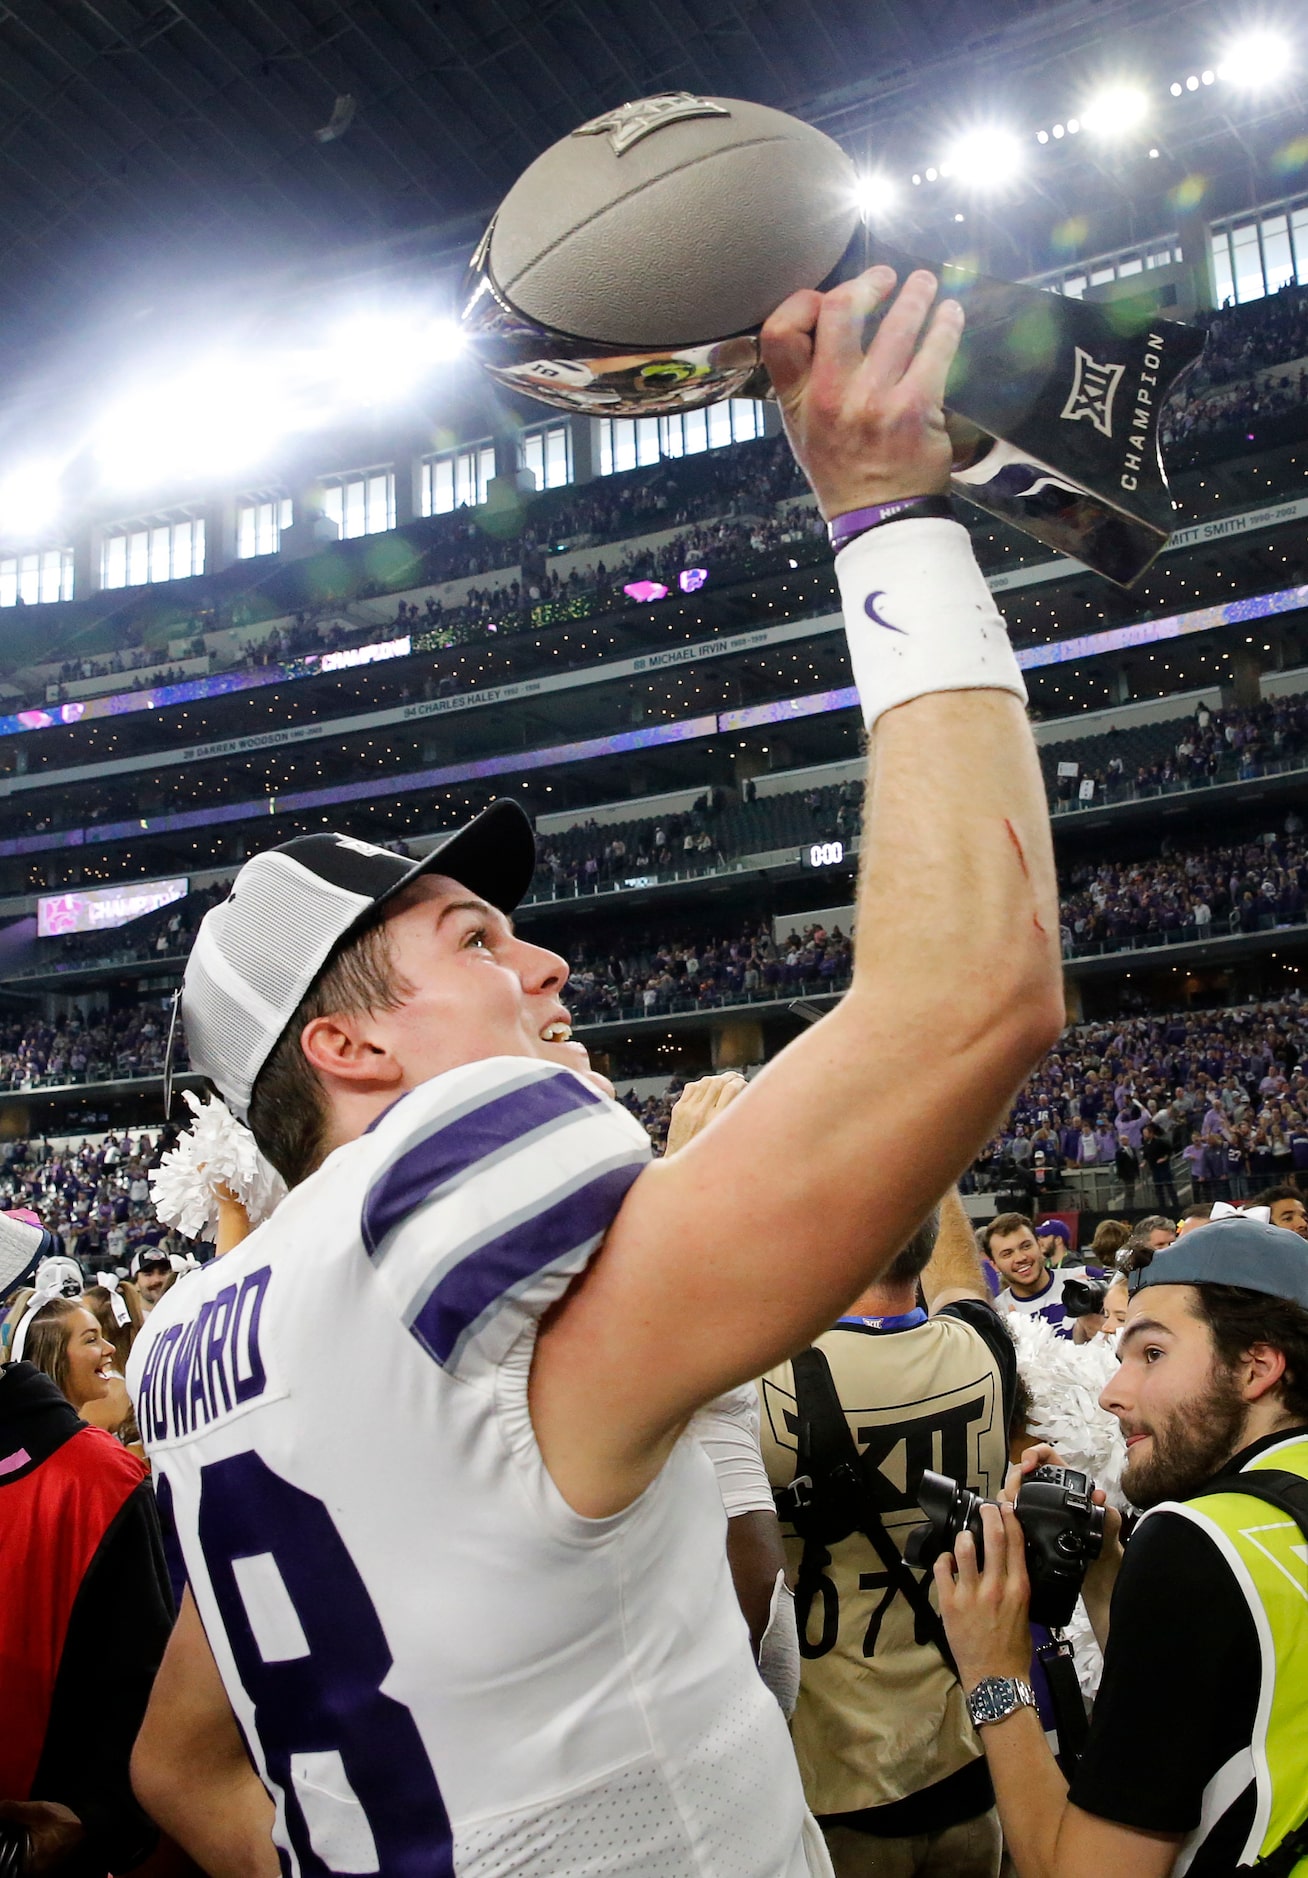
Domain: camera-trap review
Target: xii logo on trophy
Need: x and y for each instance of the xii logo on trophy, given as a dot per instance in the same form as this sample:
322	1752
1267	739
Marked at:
630	122
1093	390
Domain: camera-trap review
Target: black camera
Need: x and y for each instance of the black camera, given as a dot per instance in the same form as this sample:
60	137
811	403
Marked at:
1084	1297
1062	1528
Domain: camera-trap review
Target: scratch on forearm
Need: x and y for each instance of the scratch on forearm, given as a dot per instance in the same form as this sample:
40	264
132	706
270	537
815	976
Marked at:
1021	856
1026	871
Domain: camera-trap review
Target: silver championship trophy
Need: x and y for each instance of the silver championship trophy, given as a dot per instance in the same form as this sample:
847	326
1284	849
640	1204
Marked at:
1053	403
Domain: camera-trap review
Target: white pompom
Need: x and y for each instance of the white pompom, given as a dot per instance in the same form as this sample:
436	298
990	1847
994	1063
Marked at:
216	1151
1064	1380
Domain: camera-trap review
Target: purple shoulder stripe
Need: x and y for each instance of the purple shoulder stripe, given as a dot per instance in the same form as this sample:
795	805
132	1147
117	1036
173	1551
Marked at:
476	1283
456	1147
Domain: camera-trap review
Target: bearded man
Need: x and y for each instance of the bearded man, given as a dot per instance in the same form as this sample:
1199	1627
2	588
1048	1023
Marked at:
1196	1760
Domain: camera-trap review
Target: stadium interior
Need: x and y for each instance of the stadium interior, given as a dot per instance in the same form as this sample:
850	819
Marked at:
276	557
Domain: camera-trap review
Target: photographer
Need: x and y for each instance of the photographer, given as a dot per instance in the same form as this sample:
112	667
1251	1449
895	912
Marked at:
891	1764
1196	1748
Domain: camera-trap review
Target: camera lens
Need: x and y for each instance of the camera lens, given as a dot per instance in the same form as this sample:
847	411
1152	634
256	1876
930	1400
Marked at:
950	1509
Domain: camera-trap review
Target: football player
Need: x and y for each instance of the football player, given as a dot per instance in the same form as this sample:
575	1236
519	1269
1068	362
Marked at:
458	1599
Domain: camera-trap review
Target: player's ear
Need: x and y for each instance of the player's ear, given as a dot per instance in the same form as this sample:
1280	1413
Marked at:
342	1045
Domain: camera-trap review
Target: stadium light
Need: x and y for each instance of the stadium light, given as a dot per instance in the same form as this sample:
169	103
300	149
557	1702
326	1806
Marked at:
371	358
1116	110
378	357
446	341
988	156
1256	59
876	195
30	502
218	417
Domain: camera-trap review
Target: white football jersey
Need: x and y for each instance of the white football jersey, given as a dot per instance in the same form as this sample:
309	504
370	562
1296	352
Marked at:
438	1666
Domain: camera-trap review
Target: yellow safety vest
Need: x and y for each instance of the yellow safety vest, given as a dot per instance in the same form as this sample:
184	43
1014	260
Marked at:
1268	1556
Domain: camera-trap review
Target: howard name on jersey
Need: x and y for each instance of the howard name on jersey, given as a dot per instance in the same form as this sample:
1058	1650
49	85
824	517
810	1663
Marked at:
440	1668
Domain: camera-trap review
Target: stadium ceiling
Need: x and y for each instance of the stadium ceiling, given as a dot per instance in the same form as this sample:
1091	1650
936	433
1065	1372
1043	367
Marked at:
153	148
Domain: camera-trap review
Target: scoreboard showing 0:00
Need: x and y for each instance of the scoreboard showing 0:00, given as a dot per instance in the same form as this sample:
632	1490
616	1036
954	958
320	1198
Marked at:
825	853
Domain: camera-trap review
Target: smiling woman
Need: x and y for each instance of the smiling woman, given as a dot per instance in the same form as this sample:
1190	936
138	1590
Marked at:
64	1340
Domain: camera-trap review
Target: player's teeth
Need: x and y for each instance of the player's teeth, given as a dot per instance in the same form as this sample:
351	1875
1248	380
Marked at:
556	1033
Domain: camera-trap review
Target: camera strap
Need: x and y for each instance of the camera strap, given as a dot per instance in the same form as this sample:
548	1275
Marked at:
830	1498
1287	1492
1071	1723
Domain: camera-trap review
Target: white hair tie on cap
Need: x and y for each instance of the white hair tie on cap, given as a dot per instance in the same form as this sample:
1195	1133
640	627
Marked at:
1222	1211
47	1290
117	1302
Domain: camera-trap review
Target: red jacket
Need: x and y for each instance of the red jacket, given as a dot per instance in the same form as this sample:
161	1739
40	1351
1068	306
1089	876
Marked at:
85	1612
53	1516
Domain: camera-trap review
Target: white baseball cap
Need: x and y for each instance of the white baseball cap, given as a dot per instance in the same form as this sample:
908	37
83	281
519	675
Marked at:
257	954
63	1271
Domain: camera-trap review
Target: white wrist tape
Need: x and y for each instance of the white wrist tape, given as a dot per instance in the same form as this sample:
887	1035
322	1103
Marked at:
920	618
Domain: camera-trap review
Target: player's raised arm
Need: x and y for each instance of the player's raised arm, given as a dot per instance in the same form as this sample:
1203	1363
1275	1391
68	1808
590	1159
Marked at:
728	1258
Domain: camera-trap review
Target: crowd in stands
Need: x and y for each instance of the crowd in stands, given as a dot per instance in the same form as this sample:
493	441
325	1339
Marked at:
660	977
120	663
654	1112
721	549
1223	1092
588	856
1213	746
1233	887
748	479
1218	1097
1195	416
1181	894
645	976
108	1046
1224	745
1201	892
723	502
95	1196
1251	338
313	630
755	824
1224	392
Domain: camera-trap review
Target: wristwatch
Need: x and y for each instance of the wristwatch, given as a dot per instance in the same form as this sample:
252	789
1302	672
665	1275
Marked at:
995	1698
